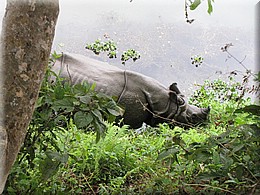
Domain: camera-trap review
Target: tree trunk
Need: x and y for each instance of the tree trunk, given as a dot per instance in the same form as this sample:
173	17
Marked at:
27	35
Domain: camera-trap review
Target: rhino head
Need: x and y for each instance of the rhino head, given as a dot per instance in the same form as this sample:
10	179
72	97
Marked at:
186	115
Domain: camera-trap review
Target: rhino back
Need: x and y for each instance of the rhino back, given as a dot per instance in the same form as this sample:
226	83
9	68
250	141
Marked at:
109	79
77	68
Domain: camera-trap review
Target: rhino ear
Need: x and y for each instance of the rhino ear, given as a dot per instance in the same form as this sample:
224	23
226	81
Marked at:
174	88
173	96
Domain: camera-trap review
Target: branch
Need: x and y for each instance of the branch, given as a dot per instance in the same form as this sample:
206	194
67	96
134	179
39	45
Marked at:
170	121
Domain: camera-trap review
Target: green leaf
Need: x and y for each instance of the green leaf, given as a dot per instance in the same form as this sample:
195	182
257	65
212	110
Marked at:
85	99
45	114
113	109
93	86
238	147
100	130
63	158
50	165
59	92
210	8
64	104
207	176
195	4
39	102
48	168
215	157
82	119
230	181
178	140
60	118
247	158
114	112
227	161
98	114
200	154
55	55
168	153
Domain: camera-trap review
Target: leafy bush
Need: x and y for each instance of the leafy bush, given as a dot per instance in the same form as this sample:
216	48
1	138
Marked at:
227	153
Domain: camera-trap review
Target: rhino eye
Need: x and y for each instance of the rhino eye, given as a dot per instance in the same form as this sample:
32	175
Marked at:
180	101
194	117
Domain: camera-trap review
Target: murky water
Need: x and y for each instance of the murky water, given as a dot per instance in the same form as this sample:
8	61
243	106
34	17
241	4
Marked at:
157	29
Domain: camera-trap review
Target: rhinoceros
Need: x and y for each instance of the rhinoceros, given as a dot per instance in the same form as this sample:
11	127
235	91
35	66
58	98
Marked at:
144	99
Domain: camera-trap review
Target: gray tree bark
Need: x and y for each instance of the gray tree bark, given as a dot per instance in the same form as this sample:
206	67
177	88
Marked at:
27	35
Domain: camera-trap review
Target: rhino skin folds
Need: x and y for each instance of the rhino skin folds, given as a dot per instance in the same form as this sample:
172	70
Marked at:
144	99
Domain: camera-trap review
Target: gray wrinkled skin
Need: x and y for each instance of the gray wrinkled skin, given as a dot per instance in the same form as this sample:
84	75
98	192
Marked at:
144	99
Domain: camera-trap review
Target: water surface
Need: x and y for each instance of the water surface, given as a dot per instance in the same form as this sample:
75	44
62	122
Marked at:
157	29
